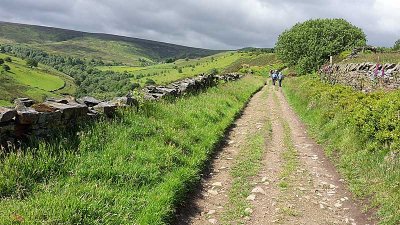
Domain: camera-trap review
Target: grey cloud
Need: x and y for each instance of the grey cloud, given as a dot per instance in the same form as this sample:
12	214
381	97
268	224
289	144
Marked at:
217	24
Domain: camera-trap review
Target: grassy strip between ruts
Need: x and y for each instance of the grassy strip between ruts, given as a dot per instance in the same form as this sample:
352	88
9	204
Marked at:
245	168
360	132
132	170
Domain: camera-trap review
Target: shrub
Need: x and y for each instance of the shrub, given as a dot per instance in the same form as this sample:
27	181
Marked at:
150	82
396	45
7	59
6	67
308	45
31	63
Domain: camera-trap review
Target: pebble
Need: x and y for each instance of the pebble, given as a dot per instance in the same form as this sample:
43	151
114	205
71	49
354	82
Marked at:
258	190
264	179
251	197
248	211
212	221
338	205
211	212
217	184
213	192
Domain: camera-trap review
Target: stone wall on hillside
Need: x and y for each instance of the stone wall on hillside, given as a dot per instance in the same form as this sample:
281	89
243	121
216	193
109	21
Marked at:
366	77
29	119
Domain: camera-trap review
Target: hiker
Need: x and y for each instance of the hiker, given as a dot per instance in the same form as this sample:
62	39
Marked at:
280	78
274	76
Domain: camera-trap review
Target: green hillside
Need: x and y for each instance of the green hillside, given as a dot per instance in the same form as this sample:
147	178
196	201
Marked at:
36	83
184	68
110	48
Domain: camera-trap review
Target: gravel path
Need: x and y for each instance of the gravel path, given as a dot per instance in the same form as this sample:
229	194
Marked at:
312	192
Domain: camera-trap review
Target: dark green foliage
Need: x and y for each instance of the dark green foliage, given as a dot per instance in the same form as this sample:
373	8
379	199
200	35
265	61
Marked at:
1	61
180	70
214	71
31	63
6	67
308	45
170	60
150	82
7	59
396	45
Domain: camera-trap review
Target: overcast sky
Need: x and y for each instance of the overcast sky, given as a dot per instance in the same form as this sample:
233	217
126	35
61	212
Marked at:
215	24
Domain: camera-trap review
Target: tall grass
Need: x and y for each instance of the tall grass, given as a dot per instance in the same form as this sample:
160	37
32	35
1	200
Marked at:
134	169
360	132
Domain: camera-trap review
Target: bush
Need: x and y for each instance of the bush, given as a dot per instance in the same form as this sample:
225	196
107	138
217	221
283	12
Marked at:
150	82
308	45
31	63
396	45
7	59
1	61
6	67
214	71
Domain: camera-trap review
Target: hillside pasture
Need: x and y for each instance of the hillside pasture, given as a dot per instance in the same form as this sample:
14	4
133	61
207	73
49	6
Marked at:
36	83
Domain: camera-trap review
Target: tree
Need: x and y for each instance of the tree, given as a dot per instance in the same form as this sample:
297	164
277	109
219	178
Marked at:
213	71
7	59
31	63
1	61
308	45
6	67
396	45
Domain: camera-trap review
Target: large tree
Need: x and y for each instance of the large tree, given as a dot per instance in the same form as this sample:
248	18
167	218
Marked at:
309	44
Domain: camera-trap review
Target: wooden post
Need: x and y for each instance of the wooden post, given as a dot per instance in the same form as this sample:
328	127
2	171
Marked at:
331	60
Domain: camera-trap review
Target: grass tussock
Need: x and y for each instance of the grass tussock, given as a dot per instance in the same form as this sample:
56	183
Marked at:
134	169
360	132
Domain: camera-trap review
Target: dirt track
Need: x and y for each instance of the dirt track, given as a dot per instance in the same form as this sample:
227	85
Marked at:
309	192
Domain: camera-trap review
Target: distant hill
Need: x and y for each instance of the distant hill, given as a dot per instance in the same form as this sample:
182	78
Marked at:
108	47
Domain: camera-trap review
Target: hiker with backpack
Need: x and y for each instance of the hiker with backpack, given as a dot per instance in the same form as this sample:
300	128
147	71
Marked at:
274	76
280	78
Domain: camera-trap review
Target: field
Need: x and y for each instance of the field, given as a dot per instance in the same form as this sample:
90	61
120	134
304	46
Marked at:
107	175
183	68
389	57
360	132
35	83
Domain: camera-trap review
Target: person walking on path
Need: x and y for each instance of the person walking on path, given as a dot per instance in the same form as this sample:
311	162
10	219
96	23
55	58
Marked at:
280	78
274	77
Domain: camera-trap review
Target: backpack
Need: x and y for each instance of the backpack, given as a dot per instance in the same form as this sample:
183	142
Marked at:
274	76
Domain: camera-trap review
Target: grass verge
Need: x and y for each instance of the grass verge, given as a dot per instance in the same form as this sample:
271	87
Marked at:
134	169
360	134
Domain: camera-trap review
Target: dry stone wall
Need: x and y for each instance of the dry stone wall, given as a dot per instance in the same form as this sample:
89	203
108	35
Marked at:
29	119
366	77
